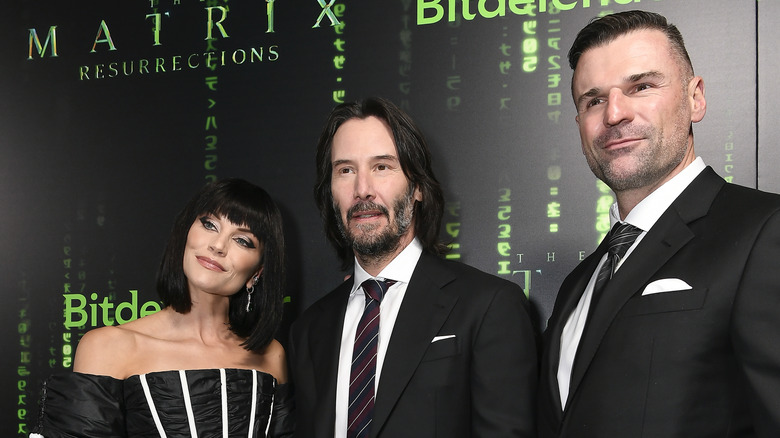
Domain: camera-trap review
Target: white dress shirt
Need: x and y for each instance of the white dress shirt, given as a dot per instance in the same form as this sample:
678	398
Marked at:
400	270
644	215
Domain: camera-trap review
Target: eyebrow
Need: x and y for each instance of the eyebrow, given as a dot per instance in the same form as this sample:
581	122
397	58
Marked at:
376	157
654	74
340	162
386	157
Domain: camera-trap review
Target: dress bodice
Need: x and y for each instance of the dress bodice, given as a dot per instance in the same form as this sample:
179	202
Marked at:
211	403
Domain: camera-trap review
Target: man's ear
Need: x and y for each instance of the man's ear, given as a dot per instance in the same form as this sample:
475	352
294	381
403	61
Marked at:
418	194
696	96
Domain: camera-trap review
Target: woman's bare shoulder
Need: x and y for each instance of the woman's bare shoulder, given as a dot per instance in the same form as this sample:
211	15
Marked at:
272	360
112	350
105	351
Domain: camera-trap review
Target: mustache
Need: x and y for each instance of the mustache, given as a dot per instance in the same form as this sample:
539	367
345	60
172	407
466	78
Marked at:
619	131
366	206
614	133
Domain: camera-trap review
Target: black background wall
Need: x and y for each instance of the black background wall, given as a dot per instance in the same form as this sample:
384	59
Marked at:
103	143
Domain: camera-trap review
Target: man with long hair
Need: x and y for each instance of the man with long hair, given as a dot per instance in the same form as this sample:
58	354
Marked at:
454	346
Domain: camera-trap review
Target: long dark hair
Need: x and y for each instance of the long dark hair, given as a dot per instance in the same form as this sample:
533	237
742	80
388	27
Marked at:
241	203
415	159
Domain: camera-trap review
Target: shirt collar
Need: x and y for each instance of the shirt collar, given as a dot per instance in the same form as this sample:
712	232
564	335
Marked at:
646	213
399	269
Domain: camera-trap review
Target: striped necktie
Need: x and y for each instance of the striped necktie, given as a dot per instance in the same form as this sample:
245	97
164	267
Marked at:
362	376
620	238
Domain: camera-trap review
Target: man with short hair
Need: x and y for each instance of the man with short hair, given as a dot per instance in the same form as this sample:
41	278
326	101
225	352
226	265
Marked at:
671	327
411	345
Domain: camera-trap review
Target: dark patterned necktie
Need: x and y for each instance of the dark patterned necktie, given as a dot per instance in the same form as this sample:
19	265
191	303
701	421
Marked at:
363	374
620	238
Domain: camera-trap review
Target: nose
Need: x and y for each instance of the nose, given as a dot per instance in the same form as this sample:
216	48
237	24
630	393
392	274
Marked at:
618	108
364	186
218	245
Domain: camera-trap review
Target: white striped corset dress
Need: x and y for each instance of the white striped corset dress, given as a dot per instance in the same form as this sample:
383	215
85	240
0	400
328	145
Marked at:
212	403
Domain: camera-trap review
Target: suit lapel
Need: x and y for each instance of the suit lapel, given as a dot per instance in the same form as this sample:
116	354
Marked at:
669	234
653	251
424	310
324	351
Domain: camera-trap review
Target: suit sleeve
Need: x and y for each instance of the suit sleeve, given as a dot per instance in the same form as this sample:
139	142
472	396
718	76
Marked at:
756	329
504	368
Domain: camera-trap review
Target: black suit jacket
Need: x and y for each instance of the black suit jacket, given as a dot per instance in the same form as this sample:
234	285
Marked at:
481	383
703	362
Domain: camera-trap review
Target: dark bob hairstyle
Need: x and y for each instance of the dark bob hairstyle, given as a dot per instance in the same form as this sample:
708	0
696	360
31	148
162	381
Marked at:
246	204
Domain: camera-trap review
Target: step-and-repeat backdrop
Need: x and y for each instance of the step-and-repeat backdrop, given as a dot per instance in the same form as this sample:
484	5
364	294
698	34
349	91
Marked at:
114	113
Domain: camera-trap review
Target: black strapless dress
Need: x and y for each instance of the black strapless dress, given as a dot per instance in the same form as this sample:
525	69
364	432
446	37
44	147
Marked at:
213	403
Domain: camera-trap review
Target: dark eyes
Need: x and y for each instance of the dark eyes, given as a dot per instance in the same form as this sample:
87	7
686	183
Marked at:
598	100
593	102
348	170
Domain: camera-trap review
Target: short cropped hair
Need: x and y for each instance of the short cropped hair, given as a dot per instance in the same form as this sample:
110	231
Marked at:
415	160
606	29
245	204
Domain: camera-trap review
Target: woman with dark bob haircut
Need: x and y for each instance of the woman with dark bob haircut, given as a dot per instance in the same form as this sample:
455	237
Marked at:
207	364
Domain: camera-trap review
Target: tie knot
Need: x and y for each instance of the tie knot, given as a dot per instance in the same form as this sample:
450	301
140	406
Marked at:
622	237
375	289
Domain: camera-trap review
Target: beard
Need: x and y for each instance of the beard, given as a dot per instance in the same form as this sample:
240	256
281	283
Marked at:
650	164
367	241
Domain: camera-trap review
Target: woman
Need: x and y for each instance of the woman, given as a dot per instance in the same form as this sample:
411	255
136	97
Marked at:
220	281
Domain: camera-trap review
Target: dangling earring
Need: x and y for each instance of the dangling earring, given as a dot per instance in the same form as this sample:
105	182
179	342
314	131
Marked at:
249	291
